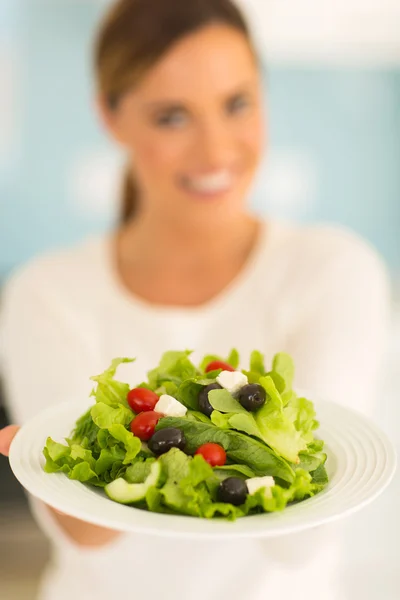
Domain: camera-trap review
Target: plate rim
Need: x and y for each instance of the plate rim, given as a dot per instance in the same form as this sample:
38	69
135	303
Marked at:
226	529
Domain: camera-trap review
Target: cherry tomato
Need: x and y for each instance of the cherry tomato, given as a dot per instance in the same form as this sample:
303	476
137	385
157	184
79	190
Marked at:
144	424
218	364
214	454
142	399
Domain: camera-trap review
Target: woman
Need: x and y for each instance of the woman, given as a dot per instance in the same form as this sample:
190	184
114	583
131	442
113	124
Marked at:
189	266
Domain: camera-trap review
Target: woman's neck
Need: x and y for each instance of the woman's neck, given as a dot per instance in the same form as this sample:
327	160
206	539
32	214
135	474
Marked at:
179	265
153	243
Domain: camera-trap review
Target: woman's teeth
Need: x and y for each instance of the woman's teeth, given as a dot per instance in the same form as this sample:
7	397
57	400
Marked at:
214	183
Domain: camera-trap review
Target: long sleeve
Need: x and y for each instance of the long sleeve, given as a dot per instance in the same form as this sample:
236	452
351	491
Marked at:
46	352
339	344
46	356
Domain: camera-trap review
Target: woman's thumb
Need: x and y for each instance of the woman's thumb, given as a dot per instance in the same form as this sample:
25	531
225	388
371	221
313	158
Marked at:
6	437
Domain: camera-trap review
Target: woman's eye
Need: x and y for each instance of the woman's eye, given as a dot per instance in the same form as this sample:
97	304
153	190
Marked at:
172	119
238	104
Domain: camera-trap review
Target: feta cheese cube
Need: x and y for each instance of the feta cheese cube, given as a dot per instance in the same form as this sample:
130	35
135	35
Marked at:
257	483
232	381
170	407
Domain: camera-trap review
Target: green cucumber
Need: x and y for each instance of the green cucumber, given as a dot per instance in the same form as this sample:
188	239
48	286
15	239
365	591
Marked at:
129	493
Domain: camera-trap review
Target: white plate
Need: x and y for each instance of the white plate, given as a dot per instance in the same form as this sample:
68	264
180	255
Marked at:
361	463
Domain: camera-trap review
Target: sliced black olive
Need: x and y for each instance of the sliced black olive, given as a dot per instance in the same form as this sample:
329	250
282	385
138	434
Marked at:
165	439
252	396
232	490
204	403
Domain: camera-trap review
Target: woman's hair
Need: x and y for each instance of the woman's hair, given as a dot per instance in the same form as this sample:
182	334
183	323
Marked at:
134	36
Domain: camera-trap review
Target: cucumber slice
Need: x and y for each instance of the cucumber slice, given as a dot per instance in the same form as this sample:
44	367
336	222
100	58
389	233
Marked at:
129	493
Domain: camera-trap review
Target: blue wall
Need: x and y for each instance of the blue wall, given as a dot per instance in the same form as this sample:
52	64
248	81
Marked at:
334	138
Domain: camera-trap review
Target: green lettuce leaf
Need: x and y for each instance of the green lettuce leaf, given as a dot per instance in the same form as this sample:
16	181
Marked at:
103	438
188	393
310	462
257	368
233	471
108	390
175	465
131	443
85	428
233	358
257	362
316	446
195	415
107	458
223	401
168	387
283	366
302	487
154	501
104	416
221	420
82	472
320	476
301	413
174	367
79	453
57	452
277	430
78	466
139	470
185	488
222	509
246	423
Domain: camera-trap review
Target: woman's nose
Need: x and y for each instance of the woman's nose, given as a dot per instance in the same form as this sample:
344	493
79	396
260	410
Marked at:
216	144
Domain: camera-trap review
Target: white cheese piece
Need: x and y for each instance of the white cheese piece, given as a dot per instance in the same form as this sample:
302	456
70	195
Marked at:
232	381
257	483
170	407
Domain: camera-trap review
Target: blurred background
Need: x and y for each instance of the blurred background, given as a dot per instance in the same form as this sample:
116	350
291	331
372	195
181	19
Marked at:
332	88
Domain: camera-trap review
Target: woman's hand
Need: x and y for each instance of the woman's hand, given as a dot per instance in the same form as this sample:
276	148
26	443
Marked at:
6	437
82	533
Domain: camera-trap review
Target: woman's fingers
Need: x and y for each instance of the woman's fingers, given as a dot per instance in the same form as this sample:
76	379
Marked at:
6	437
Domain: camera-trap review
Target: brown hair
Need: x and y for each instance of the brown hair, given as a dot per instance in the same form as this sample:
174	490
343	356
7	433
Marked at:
135	34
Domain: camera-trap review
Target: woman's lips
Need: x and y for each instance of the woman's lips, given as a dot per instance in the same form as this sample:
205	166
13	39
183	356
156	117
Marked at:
209	184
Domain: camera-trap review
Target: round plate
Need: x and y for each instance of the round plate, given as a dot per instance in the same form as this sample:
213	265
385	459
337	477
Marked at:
361	463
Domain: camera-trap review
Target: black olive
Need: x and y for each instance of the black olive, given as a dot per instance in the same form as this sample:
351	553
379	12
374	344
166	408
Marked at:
165	439
232	490
252	396
204	403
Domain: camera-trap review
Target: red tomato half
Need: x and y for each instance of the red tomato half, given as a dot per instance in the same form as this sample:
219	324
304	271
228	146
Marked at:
144	424
218	364
142	399
214	454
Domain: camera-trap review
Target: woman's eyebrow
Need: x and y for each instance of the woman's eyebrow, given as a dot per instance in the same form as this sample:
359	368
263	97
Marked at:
174	103
165	104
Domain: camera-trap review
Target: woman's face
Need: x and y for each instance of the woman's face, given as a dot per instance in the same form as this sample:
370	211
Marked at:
193	127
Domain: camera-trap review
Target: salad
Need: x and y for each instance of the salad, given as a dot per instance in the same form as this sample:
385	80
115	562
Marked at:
206	441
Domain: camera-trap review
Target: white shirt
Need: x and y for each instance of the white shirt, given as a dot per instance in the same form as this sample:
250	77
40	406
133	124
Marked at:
319	293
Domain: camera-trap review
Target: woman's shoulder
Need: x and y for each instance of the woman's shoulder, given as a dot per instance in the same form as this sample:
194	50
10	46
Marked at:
327	244
314	257
75	269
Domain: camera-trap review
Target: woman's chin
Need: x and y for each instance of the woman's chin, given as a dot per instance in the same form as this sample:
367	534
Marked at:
209	196
226	200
